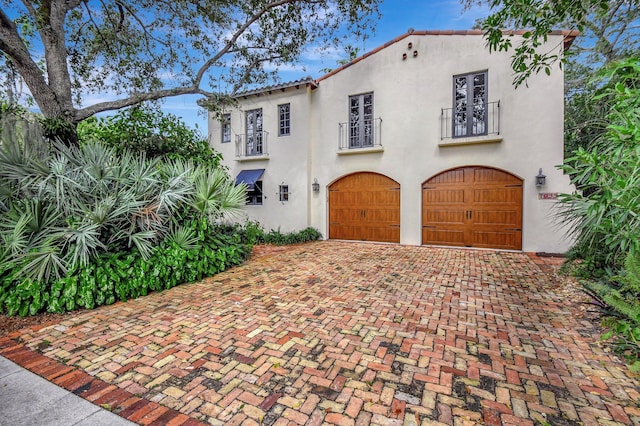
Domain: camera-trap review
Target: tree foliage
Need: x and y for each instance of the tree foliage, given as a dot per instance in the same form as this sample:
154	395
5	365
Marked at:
609	36
605	215
609	31
148	129
608	27
65	51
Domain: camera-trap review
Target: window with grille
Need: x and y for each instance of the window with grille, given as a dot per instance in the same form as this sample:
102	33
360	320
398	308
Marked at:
470	104
254	196
284	119
284	192
226	128
361	120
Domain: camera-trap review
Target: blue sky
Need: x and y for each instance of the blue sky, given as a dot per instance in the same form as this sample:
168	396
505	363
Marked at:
397	16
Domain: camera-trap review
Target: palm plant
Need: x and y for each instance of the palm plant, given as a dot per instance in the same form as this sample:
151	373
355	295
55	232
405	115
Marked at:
605	217
61	210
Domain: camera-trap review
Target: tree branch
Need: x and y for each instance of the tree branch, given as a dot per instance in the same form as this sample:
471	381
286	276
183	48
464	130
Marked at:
84	113
248	70
106	44
254	18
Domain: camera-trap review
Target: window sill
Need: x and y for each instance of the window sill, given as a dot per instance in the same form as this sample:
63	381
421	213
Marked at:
252	158
473	140
352	151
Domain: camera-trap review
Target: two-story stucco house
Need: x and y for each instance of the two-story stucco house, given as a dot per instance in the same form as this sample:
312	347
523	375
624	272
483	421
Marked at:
423	140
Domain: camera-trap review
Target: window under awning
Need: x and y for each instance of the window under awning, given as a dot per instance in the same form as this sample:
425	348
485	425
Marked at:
249	177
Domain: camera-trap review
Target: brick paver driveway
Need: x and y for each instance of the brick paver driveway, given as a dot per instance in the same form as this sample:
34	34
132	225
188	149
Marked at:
345	333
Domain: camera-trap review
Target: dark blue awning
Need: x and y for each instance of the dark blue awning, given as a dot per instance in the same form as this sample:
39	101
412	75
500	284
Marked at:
249	177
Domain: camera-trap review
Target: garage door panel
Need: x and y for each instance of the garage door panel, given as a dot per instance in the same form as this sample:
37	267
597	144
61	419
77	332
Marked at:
387	198
499	196
386	234
483	175
365	206
443	196
387	216
348	215
451	176
496	218
448	237
473	206
343	232
499	240
438	217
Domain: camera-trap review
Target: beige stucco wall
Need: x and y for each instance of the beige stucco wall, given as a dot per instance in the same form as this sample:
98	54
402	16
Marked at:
287	161
408	97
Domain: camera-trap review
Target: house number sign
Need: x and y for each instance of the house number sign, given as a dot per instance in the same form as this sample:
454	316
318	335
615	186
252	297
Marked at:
548	196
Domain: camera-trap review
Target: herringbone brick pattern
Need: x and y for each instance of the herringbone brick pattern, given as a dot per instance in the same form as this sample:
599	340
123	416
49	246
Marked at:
346	334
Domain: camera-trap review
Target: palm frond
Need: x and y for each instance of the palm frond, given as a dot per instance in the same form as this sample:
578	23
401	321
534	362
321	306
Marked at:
215	195
44	263
144	241
82	242
183	236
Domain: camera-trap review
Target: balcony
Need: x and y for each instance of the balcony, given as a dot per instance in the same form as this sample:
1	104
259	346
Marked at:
360	138
252	146
484	126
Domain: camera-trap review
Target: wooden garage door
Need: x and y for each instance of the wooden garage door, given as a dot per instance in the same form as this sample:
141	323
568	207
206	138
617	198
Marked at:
365	206
473	207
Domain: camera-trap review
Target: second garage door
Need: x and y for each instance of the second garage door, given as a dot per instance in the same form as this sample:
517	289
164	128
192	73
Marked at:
365	206
473	207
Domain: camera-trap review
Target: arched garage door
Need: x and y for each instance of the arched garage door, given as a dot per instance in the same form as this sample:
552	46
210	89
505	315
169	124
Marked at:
365	206
473	207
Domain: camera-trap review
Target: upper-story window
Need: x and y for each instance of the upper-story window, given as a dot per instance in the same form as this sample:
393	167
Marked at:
226	128
284	120
470	104
361	120
254	138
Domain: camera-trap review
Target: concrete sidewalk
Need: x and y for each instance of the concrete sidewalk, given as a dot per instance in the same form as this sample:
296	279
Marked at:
28	399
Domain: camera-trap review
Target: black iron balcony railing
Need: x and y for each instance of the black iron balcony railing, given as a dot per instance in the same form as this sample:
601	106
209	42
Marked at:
365	134
252	144
477	120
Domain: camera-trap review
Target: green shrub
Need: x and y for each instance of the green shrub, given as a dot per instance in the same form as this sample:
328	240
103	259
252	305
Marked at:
127	275
619	303
73	219
146	129
605	215
257	235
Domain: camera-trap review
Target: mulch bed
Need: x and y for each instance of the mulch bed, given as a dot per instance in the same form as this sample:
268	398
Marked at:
9	324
